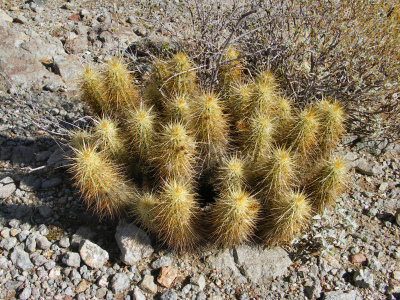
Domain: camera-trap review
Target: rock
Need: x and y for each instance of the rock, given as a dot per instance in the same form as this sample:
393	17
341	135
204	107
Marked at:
199	282
103	281
133	242
396	275
275	262
30	243
363	167
64	242
383	187
84	13
374	263
68	67
43	230
26	293
148	284
30	183
7	187
83	232
21	259
20	19
313	291
163	261
38	260
138	294
42	242
75	18
72	259
3	263
398	217
167	276
22	154
224	263
92	255
119	283
363	279
12	285
340	295
358	258
131	20
169	295
76	45
52	182
82	286
5	17
8	243
20	61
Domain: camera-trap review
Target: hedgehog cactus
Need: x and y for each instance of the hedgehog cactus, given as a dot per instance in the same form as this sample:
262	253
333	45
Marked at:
233	159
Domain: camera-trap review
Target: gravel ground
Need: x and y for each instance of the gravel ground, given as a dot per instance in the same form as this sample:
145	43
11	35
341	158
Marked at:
52	248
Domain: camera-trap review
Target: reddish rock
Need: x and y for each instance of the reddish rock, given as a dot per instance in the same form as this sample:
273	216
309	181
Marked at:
75	18
358	258
167	276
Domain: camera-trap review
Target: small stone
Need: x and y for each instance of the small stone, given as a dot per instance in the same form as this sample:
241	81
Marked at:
42	242
167	276
131	20
20	19
101	292
8	243
49	265
30	243
72	259
64	242
14	231
12	285
313	291
14	223
21	259
7	187
55	273
138	294
358	258
23	235
396	275
398	217
199	282
43	230
186	289
363	167
26	293
383	187
3	263
169	295
74	18
163	261
363	279
148	284
103	281
52	182
374	263
39	260
133	242
92	255
5	17
83	232
84	13
119	283
82	286
340	295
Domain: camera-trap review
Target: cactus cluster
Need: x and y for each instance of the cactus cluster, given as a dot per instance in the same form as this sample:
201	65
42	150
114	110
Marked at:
188	164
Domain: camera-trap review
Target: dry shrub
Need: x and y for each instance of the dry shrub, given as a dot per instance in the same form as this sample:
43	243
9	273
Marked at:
343	49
